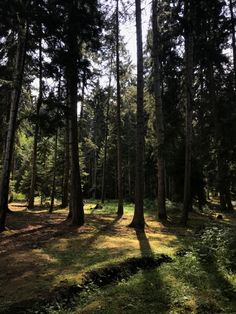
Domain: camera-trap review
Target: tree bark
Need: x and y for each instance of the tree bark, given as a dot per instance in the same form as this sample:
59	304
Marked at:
64	202
36	132
187	204
120	209
160	133
54	175
15	99
76	200
138	219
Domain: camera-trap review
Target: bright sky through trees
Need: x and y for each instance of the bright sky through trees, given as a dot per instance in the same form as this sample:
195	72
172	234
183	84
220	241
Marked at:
128	29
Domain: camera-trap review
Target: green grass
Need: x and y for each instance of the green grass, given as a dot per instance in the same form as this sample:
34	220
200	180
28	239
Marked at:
196	283
202	281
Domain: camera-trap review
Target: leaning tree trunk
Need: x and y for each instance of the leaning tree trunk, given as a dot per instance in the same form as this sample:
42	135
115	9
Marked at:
120	209
159	113
36	131
76	199
15	99
189	109
138	219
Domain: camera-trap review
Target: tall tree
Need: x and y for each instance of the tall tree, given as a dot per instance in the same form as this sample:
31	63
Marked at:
138	219
106	133
76	198
14	105
36	131
118	119
188	40
159	112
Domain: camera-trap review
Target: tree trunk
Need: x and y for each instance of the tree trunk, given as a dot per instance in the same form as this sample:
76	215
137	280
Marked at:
232	17
15	99
64	202
120	209
76	201
106	134
95	173
138	219
81	116
189	110
159	113
54	175
223	182
35	146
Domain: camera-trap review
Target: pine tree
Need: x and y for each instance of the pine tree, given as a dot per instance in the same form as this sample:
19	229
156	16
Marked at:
14	105
138	219
159	112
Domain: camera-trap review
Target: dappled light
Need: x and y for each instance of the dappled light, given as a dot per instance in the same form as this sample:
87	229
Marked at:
53	255
118	157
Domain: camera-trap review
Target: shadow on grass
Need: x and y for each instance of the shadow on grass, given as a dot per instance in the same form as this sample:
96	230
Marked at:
154	282
80	252
216	278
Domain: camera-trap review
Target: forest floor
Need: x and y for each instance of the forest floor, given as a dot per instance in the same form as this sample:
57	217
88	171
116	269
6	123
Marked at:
40	253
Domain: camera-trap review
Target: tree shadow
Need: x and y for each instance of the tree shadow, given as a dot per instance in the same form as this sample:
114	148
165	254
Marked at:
156	281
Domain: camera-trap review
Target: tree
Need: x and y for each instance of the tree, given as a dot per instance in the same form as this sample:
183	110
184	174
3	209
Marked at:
106	132
36	131
159	112
118	120
14	105
188	36
76	201
138	219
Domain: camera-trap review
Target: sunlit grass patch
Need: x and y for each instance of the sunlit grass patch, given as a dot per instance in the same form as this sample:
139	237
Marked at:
201	280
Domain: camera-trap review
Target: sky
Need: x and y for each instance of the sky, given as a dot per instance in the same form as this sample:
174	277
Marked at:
128	29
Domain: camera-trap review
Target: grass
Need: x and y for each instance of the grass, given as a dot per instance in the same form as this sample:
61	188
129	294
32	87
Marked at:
202	281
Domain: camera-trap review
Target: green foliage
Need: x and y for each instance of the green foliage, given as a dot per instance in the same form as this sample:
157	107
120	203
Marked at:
218	245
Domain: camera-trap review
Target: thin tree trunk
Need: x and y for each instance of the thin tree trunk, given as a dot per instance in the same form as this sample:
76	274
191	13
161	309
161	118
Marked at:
222	166
159	113
106	134
95	173
129	175
120	209
54	175
129	142
76	201
36	132
15	99
138	219
189	110
81	116
64	202
232	17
